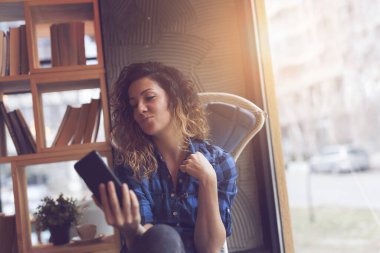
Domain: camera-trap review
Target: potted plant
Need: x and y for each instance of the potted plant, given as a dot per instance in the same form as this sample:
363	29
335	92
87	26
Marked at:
57	215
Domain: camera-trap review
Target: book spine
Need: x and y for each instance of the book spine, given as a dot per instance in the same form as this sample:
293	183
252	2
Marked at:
25	148
24	60
7	53
26	131
14	51
2	53
11	131
91	120
62	125
3	139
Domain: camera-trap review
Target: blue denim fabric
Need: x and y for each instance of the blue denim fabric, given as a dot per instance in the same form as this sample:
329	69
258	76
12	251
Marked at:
163	203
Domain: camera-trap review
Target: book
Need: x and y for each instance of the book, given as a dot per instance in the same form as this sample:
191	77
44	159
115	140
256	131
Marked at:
24	60
92	121
3	139
2	53
81	52
72	50
78	135
7	54
55	60
26	131
6	119
14	51
67	44
20	138
64	44
67	128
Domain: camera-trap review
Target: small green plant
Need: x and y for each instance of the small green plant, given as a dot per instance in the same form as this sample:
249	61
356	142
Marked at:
56	212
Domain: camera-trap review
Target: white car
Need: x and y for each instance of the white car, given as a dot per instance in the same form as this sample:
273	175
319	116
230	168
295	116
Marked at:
340	158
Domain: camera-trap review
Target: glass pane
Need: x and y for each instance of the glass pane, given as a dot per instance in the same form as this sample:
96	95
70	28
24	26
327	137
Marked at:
325	58
7	202
56	178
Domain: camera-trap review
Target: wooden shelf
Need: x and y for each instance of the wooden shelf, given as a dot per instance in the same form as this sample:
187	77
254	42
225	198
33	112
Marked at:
11	10
57	154
41	14
15	84
67	68
72	247
38	16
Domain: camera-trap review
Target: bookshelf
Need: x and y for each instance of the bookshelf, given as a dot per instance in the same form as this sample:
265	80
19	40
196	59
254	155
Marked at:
43	81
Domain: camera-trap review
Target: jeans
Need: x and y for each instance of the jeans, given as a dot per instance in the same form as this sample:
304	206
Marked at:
158	239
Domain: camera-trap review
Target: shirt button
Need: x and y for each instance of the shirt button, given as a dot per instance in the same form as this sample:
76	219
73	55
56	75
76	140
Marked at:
177	224
172	195
175	213
180	180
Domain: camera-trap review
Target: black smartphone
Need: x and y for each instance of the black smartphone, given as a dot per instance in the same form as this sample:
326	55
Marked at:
94	171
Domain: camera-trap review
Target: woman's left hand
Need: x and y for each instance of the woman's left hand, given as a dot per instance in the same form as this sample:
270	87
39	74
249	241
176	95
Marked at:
199	167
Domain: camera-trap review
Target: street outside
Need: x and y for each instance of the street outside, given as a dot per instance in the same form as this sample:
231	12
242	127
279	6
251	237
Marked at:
334	213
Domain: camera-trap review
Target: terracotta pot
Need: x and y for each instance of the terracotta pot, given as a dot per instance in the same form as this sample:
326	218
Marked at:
60	234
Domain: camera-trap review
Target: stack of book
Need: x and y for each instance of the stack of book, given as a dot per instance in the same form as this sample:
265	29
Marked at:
79	124
18	130
13	52
67	44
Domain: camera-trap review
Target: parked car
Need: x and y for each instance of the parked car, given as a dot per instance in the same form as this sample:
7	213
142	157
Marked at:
340	158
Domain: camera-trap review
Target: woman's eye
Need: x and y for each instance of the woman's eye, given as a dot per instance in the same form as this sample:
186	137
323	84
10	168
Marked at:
149	98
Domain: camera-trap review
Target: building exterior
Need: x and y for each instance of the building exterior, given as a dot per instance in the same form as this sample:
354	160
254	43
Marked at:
326	57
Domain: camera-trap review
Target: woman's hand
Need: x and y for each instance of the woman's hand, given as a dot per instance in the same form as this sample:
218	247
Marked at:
126	218
199	167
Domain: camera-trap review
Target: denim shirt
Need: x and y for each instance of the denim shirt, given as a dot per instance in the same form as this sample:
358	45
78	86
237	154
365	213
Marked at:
163	203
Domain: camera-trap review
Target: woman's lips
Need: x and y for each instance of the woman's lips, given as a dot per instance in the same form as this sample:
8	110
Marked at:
145	119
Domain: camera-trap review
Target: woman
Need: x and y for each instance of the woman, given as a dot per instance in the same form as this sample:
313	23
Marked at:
173	175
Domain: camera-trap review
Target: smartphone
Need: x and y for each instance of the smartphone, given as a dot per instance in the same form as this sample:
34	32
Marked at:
94	171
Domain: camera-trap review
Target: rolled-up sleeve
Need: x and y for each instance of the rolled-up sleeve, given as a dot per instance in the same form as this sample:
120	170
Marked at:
125	175
226	172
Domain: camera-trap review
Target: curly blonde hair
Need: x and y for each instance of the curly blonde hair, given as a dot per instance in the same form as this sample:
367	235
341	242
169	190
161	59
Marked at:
135	148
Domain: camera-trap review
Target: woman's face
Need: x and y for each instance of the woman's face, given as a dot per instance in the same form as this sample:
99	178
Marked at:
150	106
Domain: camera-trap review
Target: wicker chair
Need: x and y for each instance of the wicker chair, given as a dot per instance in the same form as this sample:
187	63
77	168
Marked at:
233	122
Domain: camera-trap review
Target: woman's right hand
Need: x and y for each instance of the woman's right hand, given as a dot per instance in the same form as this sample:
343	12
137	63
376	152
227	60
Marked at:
126	218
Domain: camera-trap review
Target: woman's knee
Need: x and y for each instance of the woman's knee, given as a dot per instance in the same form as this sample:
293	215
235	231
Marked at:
161	239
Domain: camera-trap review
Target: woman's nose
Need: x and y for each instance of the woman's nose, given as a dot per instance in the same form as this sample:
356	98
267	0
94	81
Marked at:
141	107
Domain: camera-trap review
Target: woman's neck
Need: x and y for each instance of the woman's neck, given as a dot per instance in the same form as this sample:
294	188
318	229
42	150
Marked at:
170	146
172	152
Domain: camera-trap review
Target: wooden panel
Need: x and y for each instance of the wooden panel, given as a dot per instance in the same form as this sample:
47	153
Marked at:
14	84
39	14
53	12
274	129
11	10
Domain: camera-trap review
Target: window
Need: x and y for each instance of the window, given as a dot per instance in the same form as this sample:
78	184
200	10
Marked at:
333	194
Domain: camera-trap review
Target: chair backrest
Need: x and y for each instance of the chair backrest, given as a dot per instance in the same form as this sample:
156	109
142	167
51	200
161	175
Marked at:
233	122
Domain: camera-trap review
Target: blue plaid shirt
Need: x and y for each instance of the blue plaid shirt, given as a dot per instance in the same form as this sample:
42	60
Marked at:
163	203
